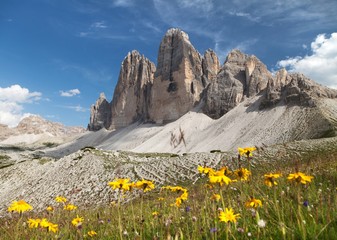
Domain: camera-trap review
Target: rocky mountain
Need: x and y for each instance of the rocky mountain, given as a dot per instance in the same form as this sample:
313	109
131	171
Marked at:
34	129
184	79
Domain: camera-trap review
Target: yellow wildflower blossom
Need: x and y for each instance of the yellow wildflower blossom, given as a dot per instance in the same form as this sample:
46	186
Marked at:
44	222
50	209
92	233
33	223
121	183
220	179
155	214
77	221
300	178
146	185
52	227
205	170
184	196
178	201
69	207
242	173
228	215
60	199
216	197
246	151
269	179
253	203
19	206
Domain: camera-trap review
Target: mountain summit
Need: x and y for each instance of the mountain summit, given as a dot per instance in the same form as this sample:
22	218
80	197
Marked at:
185	79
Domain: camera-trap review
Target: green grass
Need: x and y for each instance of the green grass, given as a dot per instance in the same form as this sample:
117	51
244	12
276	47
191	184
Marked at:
4	157
50	144
290	210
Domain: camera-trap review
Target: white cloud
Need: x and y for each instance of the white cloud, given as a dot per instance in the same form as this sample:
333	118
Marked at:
321	65
77	108
11	103
245	15
100	24
123	3
69	93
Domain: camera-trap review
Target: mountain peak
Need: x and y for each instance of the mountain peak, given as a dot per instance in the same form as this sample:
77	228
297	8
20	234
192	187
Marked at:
183	79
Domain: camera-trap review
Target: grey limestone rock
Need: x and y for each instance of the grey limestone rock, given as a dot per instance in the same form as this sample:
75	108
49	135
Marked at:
241	76
294	88
131	100
178	79
100	114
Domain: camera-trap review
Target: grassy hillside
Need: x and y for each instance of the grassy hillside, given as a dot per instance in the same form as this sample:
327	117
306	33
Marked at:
298	207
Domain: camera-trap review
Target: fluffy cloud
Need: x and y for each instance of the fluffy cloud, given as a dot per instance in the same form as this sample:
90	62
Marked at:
11	103
321	65
70	93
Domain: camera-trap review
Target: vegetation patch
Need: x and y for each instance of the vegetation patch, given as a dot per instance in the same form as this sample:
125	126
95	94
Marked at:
50	144
44	160
4	157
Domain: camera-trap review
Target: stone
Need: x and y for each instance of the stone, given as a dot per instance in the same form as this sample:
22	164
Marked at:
240	77
177	83
210	67
131	99
100	114
294	89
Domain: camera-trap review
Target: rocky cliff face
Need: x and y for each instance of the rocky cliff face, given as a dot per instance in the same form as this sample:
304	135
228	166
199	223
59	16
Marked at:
184	78
100	114
296	89
149	94
241	76
178	80
131	100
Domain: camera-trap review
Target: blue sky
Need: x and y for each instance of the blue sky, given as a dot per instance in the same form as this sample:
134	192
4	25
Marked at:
56	56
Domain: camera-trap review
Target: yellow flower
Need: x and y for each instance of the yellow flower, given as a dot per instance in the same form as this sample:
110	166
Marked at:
60	199
121	183
33	223
184	196
175	188
77	221
19	206
253	203
205	170
178	201
246	151
92	233
225	171
50	209
161	199
269	179
52	227
70	207
146	185
220	179
300	178
216	197
155	214
242	173
44	222
228	216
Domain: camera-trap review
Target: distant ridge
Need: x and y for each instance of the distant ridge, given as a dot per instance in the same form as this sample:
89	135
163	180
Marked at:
34	128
